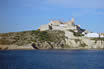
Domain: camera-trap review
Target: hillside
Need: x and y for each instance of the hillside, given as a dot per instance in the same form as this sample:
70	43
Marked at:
50	39
42	39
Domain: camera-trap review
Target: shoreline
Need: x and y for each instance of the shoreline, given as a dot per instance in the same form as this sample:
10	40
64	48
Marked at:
56	49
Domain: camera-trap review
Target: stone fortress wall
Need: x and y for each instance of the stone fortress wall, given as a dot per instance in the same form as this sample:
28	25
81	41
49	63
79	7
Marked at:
58	25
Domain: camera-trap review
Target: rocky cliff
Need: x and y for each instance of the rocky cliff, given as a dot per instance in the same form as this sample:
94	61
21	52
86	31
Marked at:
33	40
50	39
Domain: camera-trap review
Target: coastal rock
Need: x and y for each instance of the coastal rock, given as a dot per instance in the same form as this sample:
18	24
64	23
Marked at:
85	43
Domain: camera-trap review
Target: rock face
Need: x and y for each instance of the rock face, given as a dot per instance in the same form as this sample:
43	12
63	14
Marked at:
51	39
87	43
41	39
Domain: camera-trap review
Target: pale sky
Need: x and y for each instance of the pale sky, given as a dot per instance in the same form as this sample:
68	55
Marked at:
20	15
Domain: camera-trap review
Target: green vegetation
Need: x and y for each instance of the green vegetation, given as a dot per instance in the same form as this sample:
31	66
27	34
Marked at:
76	33
26	37
4	42
83	45
49	35
43	36
77	40
96	39
67	46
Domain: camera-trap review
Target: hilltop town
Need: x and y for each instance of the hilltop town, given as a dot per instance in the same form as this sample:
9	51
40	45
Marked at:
54	35
69	25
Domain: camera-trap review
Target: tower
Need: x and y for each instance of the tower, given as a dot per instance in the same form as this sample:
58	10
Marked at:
73	20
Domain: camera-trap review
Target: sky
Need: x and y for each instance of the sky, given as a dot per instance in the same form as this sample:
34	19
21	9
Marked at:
22	15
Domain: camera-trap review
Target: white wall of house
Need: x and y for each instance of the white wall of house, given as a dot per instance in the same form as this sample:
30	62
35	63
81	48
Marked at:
101	35
92	35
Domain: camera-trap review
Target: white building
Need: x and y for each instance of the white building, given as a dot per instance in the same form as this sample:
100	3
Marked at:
92	35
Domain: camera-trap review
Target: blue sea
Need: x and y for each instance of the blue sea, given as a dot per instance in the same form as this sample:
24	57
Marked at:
52	59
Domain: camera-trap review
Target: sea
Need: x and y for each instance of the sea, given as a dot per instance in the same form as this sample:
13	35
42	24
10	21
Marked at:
52	59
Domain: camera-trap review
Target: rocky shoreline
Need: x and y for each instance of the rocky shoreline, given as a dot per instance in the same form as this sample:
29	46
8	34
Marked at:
52	40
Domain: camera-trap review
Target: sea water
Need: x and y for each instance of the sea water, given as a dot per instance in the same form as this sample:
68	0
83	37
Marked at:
52	59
